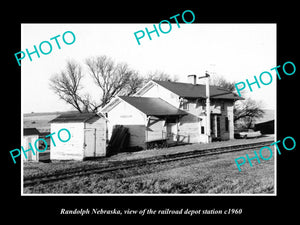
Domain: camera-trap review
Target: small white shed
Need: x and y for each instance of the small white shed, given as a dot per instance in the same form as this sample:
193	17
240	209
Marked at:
30	135
88	136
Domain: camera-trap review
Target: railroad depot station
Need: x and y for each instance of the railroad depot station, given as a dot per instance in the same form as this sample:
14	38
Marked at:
161	114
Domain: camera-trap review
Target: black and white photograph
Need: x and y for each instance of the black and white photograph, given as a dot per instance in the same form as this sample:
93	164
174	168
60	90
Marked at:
149	111
182	113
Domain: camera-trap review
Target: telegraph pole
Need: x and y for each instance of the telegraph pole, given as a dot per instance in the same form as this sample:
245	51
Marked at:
208	132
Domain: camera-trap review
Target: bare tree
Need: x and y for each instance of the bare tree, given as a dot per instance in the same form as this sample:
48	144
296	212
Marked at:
247	111
67	85
111	78
161	76
134	84
222	82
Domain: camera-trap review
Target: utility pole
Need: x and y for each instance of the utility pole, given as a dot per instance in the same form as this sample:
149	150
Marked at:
208	132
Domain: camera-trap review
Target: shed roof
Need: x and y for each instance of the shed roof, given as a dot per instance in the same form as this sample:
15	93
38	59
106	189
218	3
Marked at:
73	117
30	131
152	106
188	90
269	115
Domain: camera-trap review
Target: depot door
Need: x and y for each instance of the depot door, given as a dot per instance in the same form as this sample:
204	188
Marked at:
89	142
215	126
29	154
172	131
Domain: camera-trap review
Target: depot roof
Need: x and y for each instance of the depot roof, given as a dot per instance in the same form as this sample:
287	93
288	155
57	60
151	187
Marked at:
152	106
188	90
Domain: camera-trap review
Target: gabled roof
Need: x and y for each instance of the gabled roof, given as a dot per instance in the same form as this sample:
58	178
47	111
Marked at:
152	106
73	117
188	90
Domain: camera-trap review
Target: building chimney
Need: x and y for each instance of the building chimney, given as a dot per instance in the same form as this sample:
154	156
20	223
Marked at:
192	79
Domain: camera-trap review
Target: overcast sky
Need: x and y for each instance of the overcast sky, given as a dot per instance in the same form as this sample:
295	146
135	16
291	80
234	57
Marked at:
235	51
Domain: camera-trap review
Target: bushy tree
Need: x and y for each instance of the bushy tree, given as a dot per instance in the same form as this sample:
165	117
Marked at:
246	112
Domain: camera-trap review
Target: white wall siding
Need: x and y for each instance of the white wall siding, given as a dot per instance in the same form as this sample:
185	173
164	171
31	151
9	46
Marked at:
72	149
130	117
30	139
158	91
156	130
189	128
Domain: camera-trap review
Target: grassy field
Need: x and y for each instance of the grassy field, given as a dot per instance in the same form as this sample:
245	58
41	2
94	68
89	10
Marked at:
211	174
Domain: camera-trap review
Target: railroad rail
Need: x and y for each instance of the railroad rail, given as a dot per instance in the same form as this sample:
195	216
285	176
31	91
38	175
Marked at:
121	165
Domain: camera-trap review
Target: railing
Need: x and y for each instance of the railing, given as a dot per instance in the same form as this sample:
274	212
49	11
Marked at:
166	139
179	138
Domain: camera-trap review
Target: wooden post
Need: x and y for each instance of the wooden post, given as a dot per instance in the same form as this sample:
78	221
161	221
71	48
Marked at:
208	132
208	128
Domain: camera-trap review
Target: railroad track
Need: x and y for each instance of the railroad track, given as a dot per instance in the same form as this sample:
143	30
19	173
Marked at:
121	165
